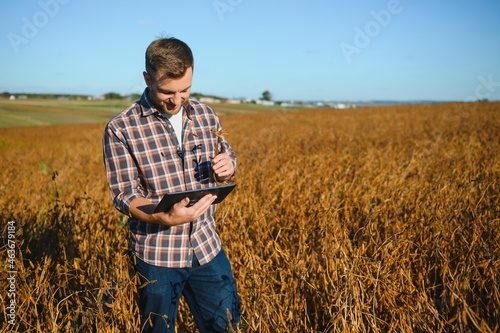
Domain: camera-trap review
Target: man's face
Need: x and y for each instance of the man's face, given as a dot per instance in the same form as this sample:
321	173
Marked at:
168	95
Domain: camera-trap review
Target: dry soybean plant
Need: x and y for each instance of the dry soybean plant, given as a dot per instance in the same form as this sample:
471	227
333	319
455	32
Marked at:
380	219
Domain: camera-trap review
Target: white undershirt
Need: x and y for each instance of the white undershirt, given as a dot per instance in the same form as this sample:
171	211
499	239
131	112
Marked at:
176	121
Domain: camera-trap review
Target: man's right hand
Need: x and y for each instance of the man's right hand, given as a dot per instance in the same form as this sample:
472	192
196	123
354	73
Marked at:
180	213
143	210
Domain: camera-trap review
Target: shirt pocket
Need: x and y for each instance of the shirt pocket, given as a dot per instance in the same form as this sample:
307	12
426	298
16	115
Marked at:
158	166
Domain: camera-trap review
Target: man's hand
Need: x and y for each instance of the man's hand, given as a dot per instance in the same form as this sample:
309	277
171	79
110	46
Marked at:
180	214
143	210
223	167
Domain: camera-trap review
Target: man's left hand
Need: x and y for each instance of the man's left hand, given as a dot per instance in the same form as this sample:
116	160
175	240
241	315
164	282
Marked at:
223	167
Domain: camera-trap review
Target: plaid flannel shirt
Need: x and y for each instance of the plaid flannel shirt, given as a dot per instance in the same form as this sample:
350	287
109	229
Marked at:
143	158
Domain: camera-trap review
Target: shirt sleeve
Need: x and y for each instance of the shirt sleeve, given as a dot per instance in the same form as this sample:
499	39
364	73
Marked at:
121	170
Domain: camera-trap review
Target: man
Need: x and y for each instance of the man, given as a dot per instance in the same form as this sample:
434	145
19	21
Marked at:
167	143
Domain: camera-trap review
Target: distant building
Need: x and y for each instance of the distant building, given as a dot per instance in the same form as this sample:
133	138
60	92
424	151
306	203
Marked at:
265	103
209	100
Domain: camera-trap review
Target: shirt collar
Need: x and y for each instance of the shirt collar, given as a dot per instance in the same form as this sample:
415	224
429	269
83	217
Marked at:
147	107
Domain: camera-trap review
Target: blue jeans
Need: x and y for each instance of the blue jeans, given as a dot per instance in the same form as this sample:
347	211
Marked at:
209	290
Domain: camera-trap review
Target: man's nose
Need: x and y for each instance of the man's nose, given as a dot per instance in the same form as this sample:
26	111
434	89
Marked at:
177	99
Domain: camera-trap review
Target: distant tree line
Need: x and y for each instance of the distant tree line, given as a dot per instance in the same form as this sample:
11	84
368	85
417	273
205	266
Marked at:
7	94
115	95
266	96
109	95
197	95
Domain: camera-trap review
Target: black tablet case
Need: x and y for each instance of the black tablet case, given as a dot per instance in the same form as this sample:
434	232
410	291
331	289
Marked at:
170	199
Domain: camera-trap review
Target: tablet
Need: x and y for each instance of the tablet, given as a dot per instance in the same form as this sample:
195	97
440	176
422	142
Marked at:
194	195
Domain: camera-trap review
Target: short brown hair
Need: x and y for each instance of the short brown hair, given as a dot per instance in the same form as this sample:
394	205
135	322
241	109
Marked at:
169	58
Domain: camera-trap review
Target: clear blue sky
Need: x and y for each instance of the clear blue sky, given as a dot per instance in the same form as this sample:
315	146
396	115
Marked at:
300	50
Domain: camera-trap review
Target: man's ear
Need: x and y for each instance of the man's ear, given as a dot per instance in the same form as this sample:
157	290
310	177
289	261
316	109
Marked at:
147	78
